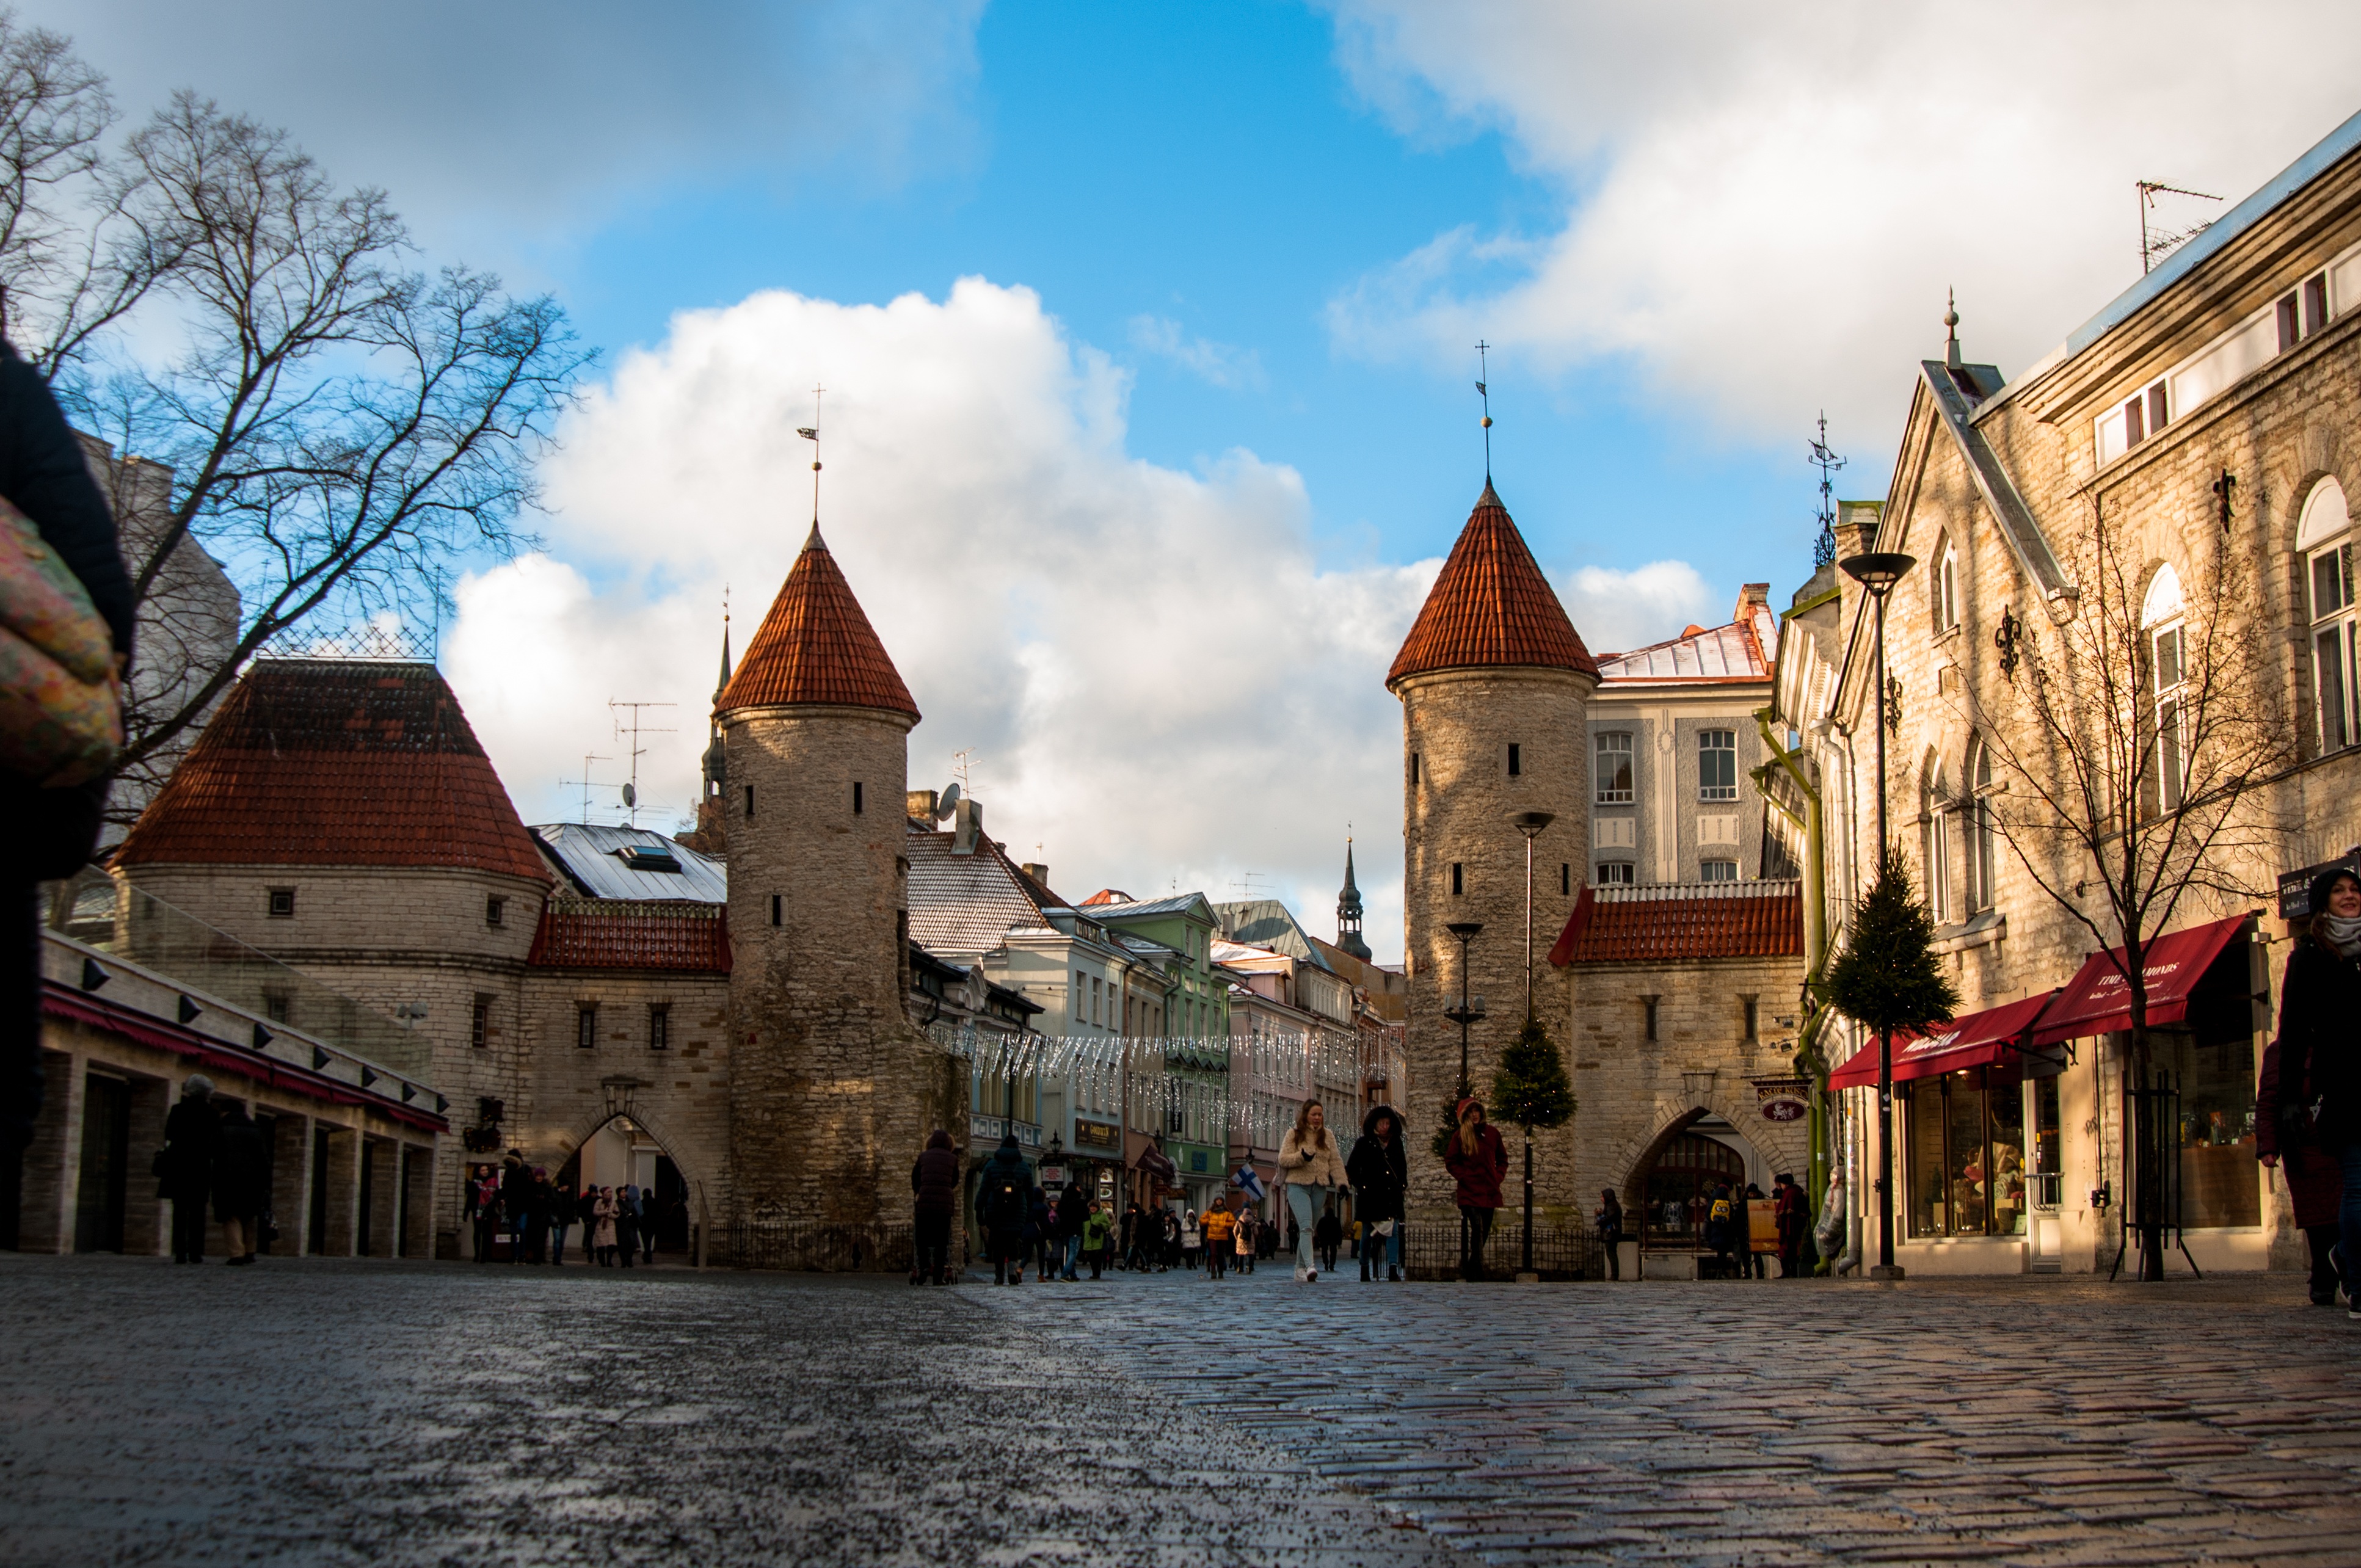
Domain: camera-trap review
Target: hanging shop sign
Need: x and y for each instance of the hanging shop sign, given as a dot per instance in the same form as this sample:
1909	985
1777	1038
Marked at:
1781	1099
1053	1178
2295	886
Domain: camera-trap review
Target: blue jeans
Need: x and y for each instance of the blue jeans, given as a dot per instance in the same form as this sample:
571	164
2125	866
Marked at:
1306	1203
2348	1217
1074	1252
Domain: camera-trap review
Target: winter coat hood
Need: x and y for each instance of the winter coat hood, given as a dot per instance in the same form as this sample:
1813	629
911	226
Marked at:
940	1140
1369	1121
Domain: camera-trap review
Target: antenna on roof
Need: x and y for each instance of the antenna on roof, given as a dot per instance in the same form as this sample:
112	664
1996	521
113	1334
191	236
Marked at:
584	782
1245	885
1824	548
2156	244
631	789
1484	374
811	432
962	761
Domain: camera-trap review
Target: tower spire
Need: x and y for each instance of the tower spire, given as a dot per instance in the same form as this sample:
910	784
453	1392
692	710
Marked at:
1484	374
1952	328
811	432
1348	910
723	684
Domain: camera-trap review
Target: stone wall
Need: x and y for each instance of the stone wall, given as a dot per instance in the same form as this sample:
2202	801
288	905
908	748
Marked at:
1458	724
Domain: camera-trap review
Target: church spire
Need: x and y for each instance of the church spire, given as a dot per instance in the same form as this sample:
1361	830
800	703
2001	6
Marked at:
1348	911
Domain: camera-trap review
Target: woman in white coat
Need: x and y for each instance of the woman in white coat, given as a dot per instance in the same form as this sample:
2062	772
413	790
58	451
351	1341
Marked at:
1313	1168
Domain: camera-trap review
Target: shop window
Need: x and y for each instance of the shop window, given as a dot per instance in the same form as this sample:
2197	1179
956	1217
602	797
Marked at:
1716	764
2324	538
2219	1185
1965	1156
1614	769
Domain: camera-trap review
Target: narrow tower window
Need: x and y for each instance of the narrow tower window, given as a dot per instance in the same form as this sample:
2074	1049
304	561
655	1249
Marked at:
778	910
1752	1017
1565	879
659	1025
1648	1017
750	800
856	798
1458	880
586	1025
1413	767
1516	759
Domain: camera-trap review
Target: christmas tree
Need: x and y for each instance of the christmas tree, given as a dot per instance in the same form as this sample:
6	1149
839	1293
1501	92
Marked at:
1888	978
1531	1088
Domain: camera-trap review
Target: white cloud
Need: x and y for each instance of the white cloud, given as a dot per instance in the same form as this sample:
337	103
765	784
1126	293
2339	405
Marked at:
1766	205
1160	683
1617	611
1220	363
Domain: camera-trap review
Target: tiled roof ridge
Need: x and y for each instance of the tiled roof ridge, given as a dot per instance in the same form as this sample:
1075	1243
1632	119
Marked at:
615	932
1490	607
817	646
1683	922
1644	893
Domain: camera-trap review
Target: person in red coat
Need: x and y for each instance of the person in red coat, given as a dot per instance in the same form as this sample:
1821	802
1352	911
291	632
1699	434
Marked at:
2315	1186
1476	1159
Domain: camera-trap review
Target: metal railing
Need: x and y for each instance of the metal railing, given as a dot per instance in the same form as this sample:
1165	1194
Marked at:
1431	1250
814	1247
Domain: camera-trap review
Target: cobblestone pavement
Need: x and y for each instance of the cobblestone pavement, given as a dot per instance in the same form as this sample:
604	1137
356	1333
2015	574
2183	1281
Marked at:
351	1413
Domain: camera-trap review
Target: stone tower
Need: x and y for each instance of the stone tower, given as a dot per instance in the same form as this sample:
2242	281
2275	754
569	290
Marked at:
832	1091
1495	685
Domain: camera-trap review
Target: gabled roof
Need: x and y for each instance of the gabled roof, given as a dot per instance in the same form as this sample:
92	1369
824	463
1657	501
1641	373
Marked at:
336	762
1490	607
1737	652
1115	908
1680	921
816	646
968	904
591	856
1268	923
1956	392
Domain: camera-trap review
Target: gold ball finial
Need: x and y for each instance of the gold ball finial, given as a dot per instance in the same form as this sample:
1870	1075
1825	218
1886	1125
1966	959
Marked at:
1487	421
815	467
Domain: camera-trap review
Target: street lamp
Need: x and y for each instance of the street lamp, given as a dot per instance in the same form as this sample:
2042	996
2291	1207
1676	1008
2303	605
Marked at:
1466	1013
1878	571
1530	823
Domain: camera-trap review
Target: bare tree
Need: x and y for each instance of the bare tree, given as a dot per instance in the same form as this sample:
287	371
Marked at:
339	429
2128	751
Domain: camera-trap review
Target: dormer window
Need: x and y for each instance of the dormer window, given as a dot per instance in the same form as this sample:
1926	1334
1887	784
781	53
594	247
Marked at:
648	858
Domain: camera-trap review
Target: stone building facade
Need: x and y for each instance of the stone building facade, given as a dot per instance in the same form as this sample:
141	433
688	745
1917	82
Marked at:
2210	416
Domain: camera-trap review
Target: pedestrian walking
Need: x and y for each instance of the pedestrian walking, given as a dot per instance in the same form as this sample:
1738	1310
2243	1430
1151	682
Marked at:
1312	1167
1750	1258
1794	1213
934	1200
562	1203
1073	1207
1327	1235
2314	1186
1476	1159
483	1209
1721	1231
46	476
1098	1238
1193	1238
586	1211
1003	1202
1380	1171
627	1224
241	1180
1608	1221
184	1169
1221	1237
603	1210
1242	1241
2318	1106
538	1196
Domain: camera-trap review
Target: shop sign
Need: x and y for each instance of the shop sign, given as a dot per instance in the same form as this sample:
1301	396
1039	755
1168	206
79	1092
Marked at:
1097	1135
1053	1177
2295	886
1781	1099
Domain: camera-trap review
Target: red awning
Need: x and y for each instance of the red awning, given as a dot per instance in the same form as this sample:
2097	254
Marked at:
2097	1001
1990	1039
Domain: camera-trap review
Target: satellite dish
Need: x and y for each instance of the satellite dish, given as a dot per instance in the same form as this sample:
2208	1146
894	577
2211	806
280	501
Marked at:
631	795
948	804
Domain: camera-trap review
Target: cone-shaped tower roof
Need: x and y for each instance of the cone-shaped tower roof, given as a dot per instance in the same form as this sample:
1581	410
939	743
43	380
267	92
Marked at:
1491	606
816	646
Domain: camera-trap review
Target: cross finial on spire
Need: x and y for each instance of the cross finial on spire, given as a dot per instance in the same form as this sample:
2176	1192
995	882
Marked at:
1483	374
1952	328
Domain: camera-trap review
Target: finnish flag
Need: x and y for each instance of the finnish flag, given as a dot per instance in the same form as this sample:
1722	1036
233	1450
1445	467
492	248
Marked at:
1245	1179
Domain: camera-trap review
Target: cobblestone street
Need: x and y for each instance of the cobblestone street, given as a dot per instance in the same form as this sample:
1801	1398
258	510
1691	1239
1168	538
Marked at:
387	1413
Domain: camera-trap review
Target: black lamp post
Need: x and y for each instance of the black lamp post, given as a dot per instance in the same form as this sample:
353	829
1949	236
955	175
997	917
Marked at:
1530	823
1878	572
1468	1012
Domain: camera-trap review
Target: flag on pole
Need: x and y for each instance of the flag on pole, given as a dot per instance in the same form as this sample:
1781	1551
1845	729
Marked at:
1245	1179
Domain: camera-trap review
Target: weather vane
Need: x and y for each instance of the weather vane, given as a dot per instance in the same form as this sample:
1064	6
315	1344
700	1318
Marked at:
1824	548
1483	372
811	432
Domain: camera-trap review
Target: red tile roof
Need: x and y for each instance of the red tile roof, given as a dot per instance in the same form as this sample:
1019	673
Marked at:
336	762
606	933
816	646
1683	921
1491	606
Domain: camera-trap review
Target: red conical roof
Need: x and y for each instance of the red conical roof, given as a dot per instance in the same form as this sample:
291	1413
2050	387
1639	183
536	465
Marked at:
816	646
1491	606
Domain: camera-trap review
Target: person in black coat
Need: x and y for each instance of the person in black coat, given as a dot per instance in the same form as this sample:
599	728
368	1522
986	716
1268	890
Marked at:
1379	1172
241	1180
1073	1207
44	475
934	1190
184	1170
2318	1099
1003	1202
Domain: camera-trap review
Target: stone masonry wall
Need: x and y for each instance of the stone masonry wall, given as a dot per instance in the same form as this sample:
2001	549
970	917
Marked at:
1459	724
832	1091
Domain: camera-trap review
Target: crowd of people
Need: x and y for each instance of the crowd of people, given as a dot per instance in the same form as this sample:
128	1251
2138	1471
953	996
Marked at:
213	1150
619	1224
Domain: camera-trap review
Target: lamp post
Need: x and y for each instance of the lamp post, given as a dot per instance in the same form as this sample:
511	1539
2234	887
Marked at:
1469	1011
1878	572
1530	823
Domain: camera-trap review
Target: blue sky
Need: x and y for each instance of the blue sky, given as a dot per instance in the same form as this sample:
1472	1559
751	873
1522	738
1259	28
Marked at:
1142	509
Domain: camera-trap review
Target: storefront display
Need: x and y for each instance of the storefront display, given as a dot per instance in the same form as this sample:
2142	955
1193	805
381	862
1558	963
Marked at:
1965	1153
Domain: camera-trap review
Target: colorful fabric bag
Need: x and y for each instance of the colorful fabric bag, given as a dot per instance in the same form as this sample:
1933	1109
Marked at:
61	697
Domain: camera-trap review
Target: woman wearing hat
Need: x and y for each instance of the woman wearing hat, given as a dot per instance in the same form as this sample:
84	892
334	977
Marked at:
2317	1106
1478	1159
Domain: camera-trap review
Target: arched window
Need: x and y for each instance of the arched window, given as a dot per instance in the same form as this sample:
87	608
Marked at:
2168	649
1946	585
1976	817
1939	807
2325	538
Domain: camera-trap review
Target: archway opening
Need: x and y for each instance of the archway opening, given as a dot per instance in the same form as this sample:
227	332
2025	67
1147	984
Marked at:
1670	1186
621	1151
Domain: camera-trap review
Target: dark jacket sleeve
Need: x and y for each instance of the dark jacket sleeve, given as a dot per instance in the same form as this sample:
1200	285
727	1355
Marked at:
43	473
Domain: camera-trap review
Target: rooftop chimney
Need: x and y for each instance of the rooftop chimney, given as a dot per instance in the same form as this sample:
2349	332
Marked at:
1038	872
967	825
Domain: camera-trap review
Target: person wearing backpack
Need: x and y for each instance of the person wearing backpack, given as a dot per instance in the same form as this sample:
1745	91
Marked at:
1003	1206
1720	1228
